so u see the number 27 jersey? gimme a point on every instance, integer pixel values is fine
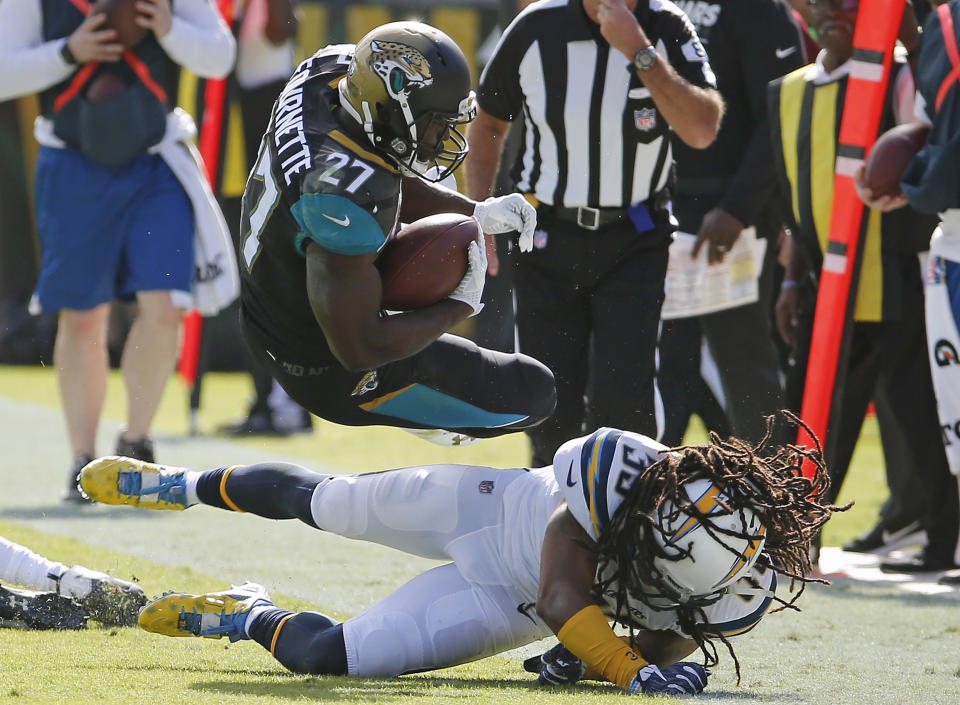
(313, 182)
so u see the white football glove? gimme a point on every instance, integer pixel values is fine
(506, 214)
(107, 599)
(470, 288)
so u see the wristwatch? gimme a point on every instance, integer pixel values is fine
(644, 59)
(67, 55)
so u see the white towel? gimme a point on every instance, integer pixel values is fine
(216, 278)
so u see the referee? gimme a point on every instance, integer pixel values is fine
(598, 87)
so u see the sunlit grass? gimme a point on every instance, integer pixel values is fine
(852, 644)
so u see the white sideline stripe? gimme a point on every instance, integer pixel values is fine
(835, 263)
(847, 166)
(866, 71)
(865, 567)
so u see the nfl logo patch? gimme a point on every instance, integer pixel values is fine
(645, 119)
(486, 487)
(936, 270)
(539, 239)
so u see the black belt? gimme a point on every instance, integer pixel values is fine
(589, 218)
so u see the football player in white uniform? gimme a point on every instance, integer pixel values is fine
(679, 546)
(60, 596)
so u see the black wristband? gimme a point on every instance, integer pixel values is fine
(68, 55)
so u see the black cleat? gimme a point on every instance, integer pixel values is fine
(140, 450)
(923, 562)
(72, 491)
(882, 540)
(39, 610)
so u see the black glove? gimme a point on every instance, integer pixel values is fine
(556, 667)
(682, 678)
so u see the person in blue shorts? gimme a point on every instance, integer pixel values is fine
(113, 219)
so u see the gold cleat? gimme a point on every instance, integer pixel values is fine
(116, 479)
(213, 615)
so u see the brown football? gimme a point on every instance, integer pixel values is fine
(425, 260)
(122, 17)
(890, 155)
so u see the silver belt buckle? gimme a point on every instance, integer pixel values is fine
(594, 212)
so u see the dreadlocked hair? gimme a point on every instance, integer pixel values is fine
(763, 479)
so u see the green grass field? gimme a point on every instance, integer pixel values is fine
(855, 642)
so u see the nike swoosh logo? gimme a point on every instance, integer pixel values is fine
(524, 609)
(345, 222)
(785, 52)
(570, 482)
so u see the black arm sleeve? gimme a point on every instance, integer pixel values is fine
(771, 47)
(684, 48)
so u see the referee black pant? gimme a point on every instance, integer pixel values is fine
(588, 307)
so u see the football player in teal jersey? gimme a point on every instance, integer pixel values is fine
(356, 143)
(680, 546)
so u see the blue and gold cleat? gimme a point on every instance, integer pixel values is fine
(116, 479)
(213, 615)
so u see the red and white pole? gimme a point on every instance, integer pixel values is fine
(878, 23)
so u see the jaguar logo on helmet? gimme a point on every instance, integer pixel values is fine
(401, 67)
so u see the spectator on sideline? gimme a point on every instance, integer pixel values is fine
(899, 522)
(68, 595)
(887, 355)
(720, 191)
(602, 86)
(931, 184)
(114, 220)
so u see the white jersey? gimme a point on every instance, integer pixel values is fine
(594, 474)
(596, 471)
(490, 524)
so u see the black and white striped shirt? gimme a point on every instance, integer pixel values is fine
(592, 134)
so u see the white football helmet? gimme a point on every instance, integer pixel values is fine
(712, 562)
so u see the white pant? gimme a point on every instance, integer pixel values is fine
(458, 612)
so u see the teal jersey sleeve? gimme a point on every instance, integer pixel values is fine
(337, 224)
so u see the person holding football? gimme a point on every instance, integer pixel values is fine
(356, 143)
(119, 196)
(886, 359)
(680, 546)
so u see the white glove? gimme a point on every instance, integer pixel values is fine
(78, 582)
(107, 599)
(470, 288)
(506, 214)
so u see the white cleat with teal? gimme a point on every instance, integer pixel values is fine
(119, 480)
